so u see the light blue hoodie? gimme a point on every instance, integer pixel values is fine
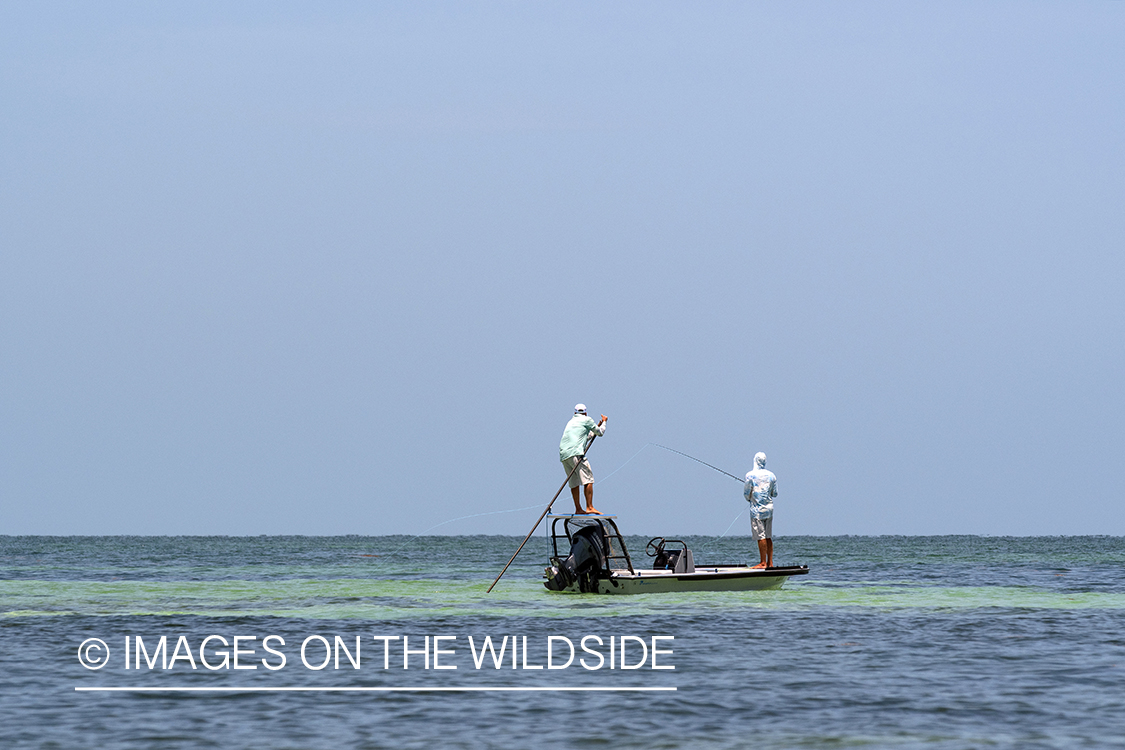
(760, 489)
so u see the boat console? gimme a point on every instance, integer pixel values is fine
(676, 560)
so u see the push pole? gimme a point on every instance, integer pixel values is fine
(544, 513)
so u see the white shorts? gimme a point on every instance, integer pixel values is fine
(762, 528)
(584, 474)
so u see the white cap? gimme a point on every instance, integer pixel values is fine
(580, 408)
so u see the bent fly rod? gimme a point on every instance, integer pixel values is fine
(693, 458)
(545, 512)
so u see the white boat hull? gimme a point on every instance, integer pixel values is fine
(721, 578)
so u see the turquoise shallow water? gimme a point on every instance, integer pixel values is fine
(889, 642)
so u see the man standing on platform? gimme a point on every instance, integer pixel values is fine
(760, 490)
(572, 449)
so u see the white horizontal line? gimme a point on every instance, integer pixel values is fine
(369, 689)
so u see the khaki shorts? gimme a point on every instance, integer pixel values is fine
(762, 528)
(584, 475)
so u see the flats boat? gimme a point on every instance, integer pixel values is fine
(589, 556)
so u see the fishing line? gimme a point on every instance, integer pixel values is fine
(622, 466)
(607, 476)
(459, 518)
(731, 524)
(708, 544)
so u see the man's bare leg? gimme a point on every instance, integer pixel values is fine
(577, 503)
(590, 500)
(769, 553)
(763, 552)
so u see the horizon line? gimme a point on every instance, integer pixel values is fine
(518, 536)
(416, 689)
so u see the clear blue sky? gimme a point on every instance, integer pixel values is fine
(278, 268)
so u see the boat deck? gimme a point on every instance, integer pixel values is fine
(739, 570)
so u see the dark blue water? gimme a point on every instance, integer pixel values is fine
(935, 642)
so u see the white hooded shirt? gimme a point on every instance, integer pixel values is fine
(760, 489)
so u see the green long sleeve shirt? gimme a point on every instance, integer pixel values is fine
(574, 437)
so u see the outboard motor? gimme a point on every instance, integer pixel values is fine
(585, 562)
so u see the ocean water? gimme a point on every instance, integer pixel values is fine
(898, 642)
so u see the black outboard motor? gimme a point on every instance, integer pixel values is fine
(584, 564)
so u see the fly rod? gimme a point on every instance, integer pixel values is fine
(545, 511)
(693, 458)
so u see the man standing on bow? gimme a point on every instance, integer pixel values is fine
(572, 449)
(760, 490)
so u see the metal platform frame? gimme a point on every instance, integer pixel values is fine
(608, 526)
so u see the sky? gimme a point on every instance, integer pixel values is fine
(281, 268)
